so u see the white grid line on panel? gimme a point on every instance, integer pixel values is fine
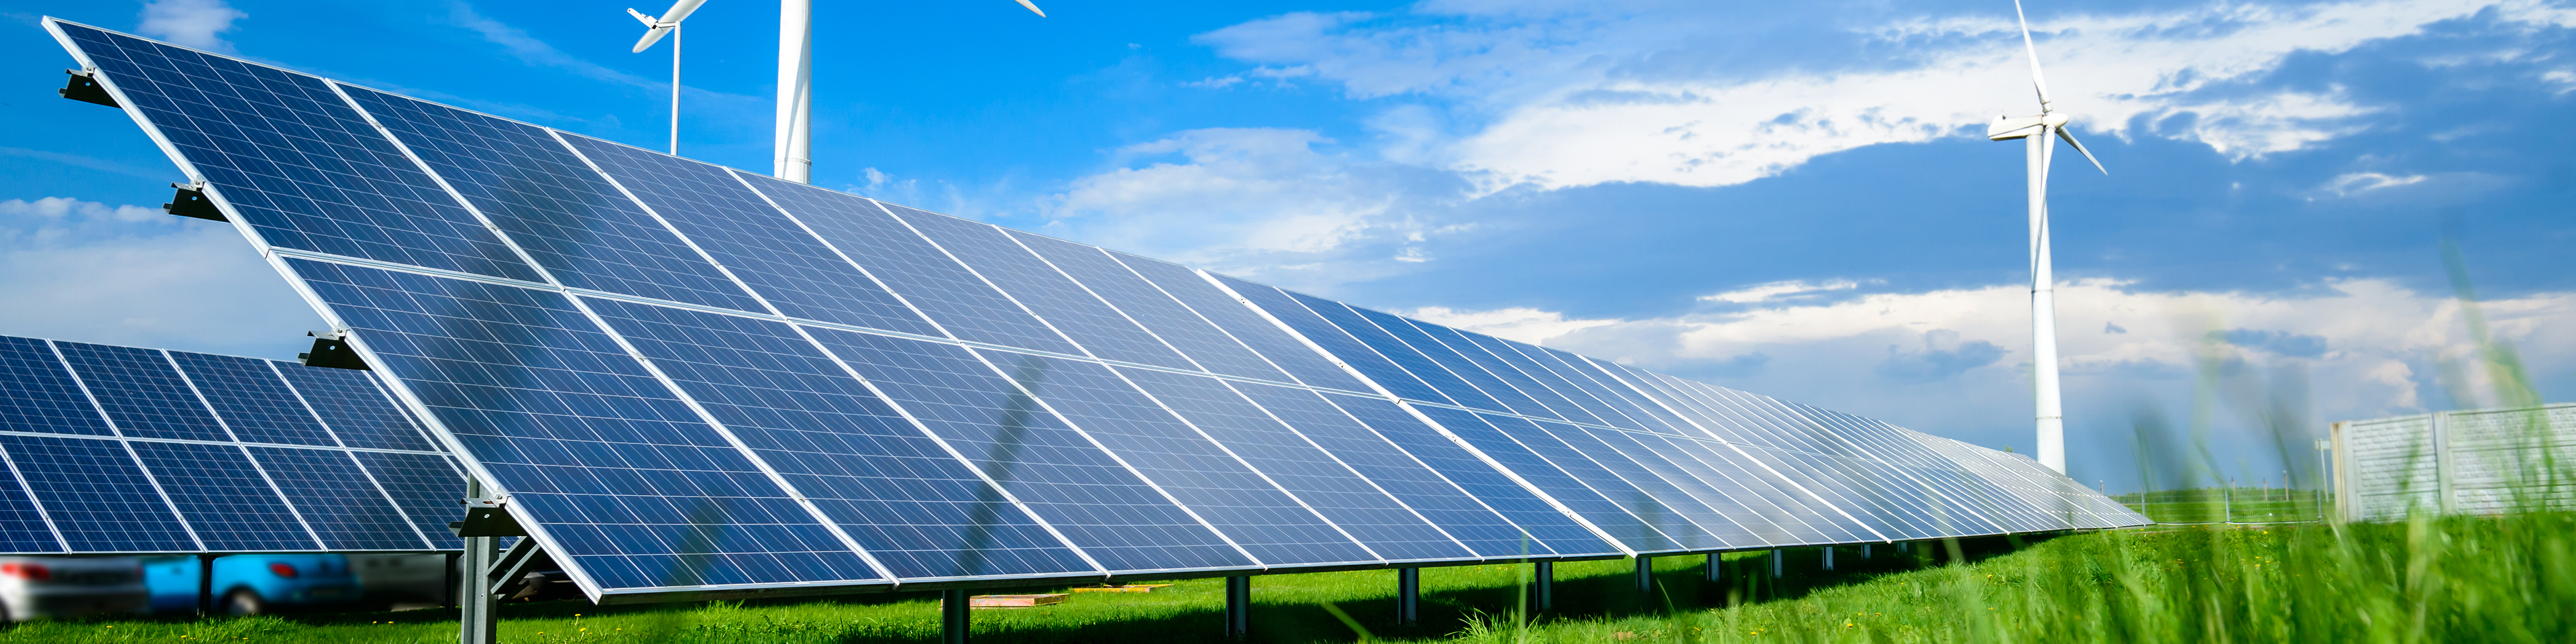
(255, 465)
(1417, 414)
(361, 463)
(137, 459)
(766, 469)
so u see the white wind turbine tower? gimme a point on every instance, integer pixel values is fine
(794, 160)
(2036, 132)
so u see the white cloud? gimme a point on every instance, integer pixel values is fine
(131, 275)
(1517, 323)
(1955, 361)
(191, 23)
(2348, 184)
(62, 207)
(1779, 291)
(1261, 202)
(1579, 96)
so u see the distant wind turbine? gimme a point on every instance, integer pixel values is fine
(2036, 132)
(794, 159)
(653, 29)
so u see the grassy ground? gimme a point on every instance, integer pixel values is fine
(2508, 579)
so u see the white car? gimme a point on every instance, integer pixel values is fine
(32, 587)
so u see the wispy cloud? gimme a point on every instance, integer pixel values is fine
(1581, 96)
(1789, 290)
(538, 53)
(192, 23)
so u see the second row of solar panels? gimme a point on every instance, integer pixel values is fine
(115, 449)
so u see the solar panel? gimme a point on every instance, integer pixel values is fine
(127, 450)
(684, 379)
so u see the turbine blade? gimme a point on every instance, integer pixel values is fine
(651, 36)
(1042, 14)
(2069, 135)
(680, 11)
(640, 17)
(2038, 81)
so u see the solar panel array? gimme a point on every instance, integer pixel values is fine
(690, 378)
(115, 449)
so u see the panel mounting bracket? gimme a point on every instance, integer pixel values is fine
(330, 349)
(191, 202)
(85, 89)
(487, 518)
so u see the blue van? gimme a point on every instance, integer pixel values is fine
(253, 584)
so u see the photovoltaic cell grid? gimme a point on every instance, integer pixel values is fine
(685, 378)
(123, 450)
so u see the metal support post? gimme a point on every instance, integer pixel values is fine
(478, 619)
(1645, 574)
(1716, 570)
(1238, 607)
(1408, 596)
(1542, 586)
(1864, 551)
(954, 608)
(1776, 571)
(1829, 557)
(206, 585)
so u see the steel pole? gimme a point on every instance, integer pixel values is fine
(794, 158)
(2043, 310)
(675, 90)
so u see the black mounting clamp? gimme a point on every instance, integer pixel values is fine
(85, 89)
(331, 350)
(191, 202)
(486, 518)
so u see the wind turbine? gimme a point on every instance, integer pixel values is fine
(2036, 133)
(653, 29)
(794, 158)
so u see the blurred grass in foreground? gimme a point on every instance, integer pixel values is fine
(2488, 579)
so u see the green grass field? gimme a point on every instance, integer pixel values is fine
(2497, 579)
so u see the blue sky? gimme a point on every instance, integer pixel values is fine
(1790, 199)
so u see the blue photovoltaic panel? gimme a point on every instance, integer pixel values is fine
(426, 487)
(1361, 357)
(22, 528)
(1550, 528)
(1400, 354)
(1265, 521)
(1381, 464)
(227, 500)
(911, 267)
(347, 516)
(1286, 458)
(625, 479)
(142, 394)
(1071, 484)
(293, 160)
(907, 501)
(356, 410)
(1045, 291)
(93, 489)
(97, 497)
(581, 229)
(1612, 511)
(723, 380)
(1245, 325)
(1206, 345)
(251, 400)
(1624, 484)
(782, 262)
(1499, 359)
(37, 394)
(1436, 345)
